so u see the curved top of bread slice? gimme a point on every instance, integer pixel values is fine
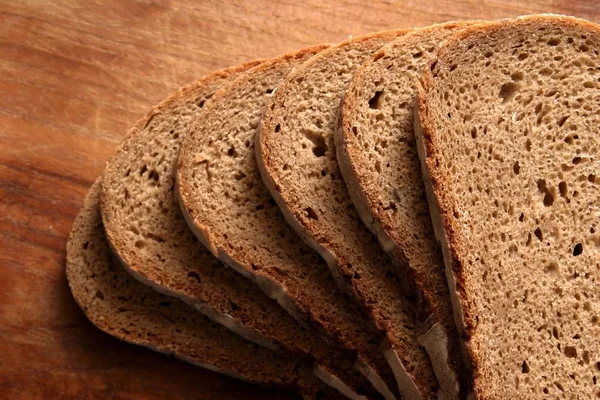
(509, 113)
(378, 159)
(232, 212)
(147, 231)
(131, 311)
(296, 156)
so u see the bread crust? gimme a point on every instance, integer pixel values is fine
(441, 200)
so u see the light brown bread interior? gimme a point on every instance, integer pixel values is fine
(233, 214)
(123, 307)
(147, 231)
(378, 160)
(296, 156)
(508, 138)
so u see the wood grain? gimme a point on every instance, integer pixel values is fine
(74, 75)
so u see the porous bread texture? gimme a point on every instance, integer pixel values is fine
(296, 156)
(128, 310)
(378, 159)
(509, 146)
(233, 214)
(147, 231)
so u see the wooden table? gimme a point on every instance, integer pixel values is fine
(74, 75)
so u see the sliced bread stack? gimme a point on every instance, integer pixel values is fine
(147, 230)
(288, 202)
(122, 307)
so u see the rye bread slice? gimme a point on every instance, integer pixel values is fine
(147, 231)
(233, 214)
(378, 159)
(128, 310)
(509, 115)
(296, 157)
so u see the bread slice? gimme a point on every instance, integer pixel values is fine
(296, 157)
(147, 231)
(233, 214)
(378, 160)
(509, 115)
(129, 310)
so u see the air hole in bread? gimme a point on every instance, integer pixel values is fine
(311, 214)
(562, 188)
(555, 333)
(376, 102)
(488, 54)
(99, 295)
(232, 152)
(539, 234)
(269, 91)
(577, 160)
(562, 121)
(140, 244)
(525, 367)
(552, 268)
(377, 56)
(474, 133)
(516, 169)
(239, 175)
(554, 42)
(578, 249)
(517, 76)
(522, 56)
(548, 191)
(319, 146)
(194, 276)
(143, 170)
(432, 66)
(570, 352)
(153, 175)
(418, 54)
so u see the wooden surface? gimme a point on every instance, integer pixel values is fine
(74, 75)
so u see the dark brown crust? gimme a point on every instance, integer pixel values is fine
(442, 198)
